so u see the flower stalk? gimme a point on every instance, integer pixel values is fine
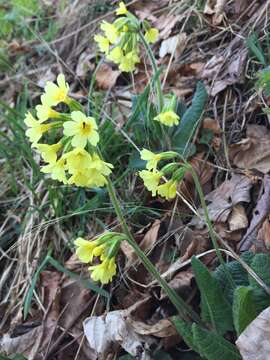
(183, 309)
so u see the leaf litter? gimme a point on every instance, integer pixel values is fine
(237, 197)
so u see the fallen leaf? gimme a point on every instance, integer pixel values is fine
(20, 344)
(113, 328)
(254, 343)
(254, 151)
(264, 233)
(173, 45)
(238, 219)
(165, 24)
(162, 329)
(106, 77)
(260, 213)
(223, 199)
(215, 8)
(150, 237)
(224, 70)
(213, 125)
(181, 283)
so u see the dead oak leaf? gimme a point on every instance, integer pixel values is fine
(106, 77)
(253, 152)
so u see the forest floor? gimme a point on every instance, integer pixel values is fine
(45, 292)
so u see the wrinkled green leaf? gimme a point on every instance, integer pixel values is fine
(213, 346)
(215, 308)
(190, 121)
(244, 309)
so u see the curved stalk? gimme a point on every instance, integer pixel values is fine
(183, 309)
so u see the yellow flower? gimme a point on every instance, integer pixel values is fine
(121, 10)
(85, 249)
(151, 35)
(116, 55)
(128, 61)
(151, 180)
(110, 31)
(48, 152)
(168, 190)
(103, 167)
(168, 118)
(151, 158)
(103, 43)
(54, 94)
(36, 128)
(96, 179)
(45, 112)
(57, 170)
(104, 271)
(82, 129)
(79, 178)
(77, 160)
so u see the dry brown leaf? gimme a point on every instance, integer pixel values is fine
(224, 70)
(260, 213)
(224, 198)
(173, 45)
(254, 343)
(21, 344)
(213, 125)
(254, 151)
(102, 332)
(215, 8)
(165, 24)
(238, 219)
(264, 233)
(150, 237)
(106, 77)
(181, 283)
(162, 329)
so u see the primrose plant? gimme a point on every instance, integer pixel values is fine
(74, 158)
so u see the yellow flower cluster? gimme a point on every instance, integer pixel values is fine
(105, 248)
(79, 162)
(168, 116)
(151, 176)
(120, 40)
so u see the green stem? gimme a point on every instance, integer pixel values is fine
(177, 301)
(209, 223)
(155, 70)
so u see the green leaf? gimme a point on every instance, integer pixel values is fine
(215, 308)
(29, 295)
(255, 48)
(261, 265)
(190, 121)
(264, 80)
(185, 331)
(213, 346)
(238, 274)
(244, 309)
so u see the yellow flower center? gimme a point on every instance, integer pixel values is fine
(60, 95)
(86, 128)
